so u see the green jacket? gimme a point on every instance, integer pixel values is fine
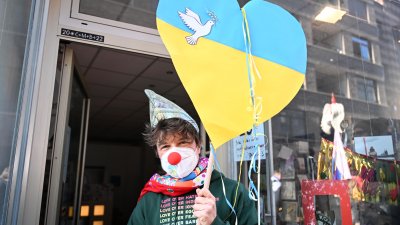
(158, 209)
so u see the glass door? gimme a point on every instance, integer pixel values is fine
(67, 145)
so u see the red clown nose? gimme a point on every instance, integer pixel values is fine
(174, 158)
(333, 99)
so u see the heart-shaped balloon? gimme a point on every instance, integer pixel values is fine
(239, 67)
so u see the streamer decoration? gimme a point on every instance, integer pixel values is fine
(373, 180)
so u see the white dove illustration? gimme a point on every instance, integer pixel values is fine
(193, 22)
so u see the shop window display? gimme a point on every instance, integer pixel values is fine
(323, 214)
(370, 107)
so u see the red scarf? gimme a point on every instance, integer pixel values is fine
(170, 186)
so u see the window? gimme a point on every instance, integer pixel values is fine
(289, 124)
(328, 83)
(142, 12)
(381, 30)
(361, 48)
(332, 2)
(321, 38)
(358, 8)
(365, 89)
(396, 35)
(14, 30)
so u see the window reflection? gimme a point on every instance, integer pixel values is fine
(358, 8)
(365, 89)
(332, 2)
(289, 124)
(361, 48)
(326, 39)
(332, 83)
(358, 61)
(14, 22)
(141, 12)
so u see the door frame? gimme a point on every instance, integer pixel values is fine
(60, 155)
(57, 159)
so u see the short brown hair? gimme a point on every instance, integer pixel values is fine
(171, 126)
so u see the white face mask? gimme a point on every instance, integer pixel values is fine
(179, 162)
(276, 184)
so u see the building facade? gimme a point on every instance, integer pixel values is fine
(72, 108)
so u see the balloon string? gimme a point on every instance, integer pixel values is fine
(255, 166)
(252, 69)
(241, 162)
(259, 183)
(223, 185)
(240, 172)
(251, 58)
(241, 167)
(248, 38)
(254, 193)
(250, 74)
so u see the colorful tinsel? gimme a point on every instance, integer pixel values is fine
(373, 180)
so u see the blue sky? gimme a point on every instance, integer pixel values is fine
(380, 144)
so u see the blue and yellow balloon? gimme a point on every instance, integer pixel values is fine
(240, 67)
